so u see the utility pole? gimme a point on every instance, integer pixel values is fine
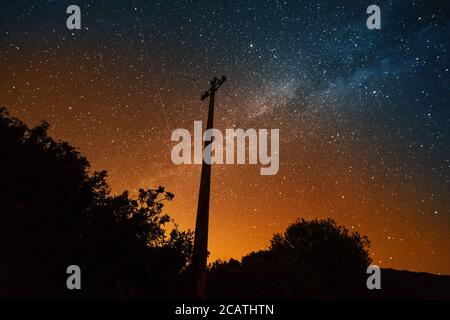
(201, 225)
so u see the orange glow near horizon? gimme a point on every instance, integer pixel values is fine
(117, 122)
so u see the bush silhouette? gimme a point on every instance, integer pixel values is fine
(55, 212)
(311, 259)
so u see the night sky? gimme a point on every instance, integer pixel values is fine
(364, 115)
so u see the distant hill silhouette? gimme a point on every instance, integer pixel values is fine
(397, 284)
(55, 211)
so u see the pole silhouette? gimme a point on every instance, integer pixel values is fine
(200, 253)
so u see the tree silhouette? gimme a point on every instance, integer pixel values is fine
(55, 212)
(311, 259)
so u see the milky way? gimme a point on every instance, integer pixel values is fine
(363, 114)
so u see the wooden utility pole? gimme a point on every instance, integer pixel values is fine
(200, 254)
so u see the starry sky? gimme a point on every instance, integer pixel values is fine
(364, 115)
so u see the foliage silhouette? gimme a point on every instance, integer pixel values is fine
(55, 212)
(311, 259)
